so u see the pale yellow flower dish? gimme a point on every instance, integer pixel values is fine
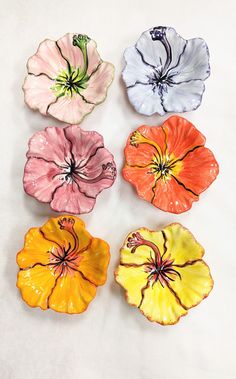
(162, 273)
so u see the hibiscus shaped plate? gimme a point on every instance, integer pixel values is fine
(169, 165)
(166, 73)
(68, 168)
(61, 265)
(163, 273)
(67, 78)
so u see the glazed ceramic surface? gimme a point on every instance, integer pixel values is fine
(61, 265)
(68, 168)
(163, 273)
(67, 78)
(169, 165)
(166, 73)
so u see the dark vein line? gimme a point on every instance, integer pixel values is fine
(143, 293)
(142, 57)
(164, 245)
(41, 74)
(188, 263)
(182, 184)
(188, 152)
(176, 296)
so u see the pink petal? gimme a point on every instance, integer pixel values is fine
(50, 145)
(47, 60)
(98, 174)
(93, 57)
(70, 109)
(99, 83)
(40, 180)
(38, 93)
(68, 198)
(72, 53)
(84, 143)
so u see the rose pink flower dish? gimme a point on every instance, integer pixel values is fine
(67, 78)
(67, 168)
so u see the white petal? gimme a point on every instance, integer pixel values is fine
(194, 62)
(177, 45)
(183, 97)
(145, 100)
(135, 70)
(153, 52)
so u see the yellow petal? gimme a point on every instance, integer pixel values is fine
(142, 253)
(195, 283)
(36, 249)
(160, 305)
(95, 261)
(52, 232)
(36, 285)
(181, 244)
(72, 294)
(133, 280)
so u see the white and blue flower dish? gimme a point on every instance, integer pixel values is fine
(165, 73)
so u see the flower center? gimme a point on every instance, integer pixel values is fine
(73, 79)
(65, 259)
(158, 268)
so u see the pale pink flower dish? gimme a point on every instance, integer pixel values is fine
(67, 78)
(68, 168)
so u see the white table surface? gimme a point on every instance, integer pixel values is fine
(112, 340)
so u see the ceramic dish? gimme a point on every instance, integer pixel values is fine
(169, 165)
(68, 168)
(67, 78)
(61, 265)
(163, 273)
(166, 73)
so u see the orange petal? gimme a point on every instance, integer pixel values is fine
(36, 285)
(182, 136)
(170, 196)
(36, 249)
(72, 294)
(142, 179)
(52, 232)
(199, 170)
(142, 154)
(94, 262)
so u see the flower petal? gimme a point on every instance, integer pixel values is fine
(181, 244)
(152, 52)
(52, 232)
(133, 280)
(181, 136)
(70, 109)
(98, 83)
(143, 154)
(72, 53)
(69, 198)
(160, 305)
(38, 92)
(94, 58)
(50, 145)
(195, 283)
(172, 196)
(145, 100)
(36, 249)
(98, 173)
(135, 71)
(143, 253)
(94, 262)
(142, 179)
(84, 144)
(199, 170)
(41, 178)
(183, 97)
(72, 294)
(47, 60)
(193, 63)
(36, 285)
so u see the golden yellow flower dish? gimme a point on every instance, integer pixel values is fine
(61, 265)
(163, 273)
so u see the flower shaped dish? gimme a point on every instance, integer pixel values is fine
(67, 78)
(169, 165)
(68, 168)
(166, 73)
(61, 265)
(163, 273)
